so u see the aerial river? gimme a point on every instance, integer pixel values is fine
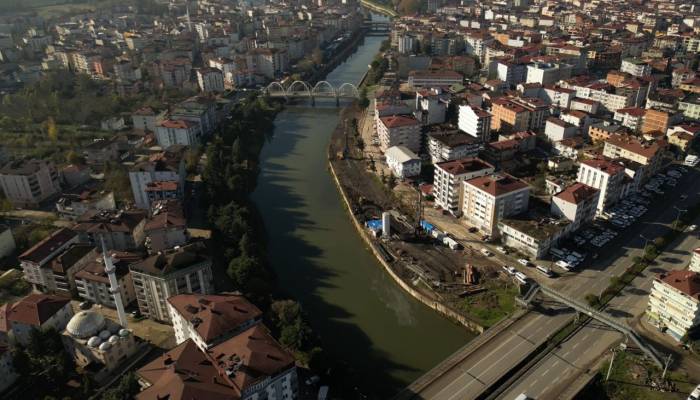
(362, 316)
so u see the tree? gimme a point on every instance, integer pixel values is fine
(364, 100)
(51, 129)
(391, 181)
(73, 157)
(317, 56)
(117, 181)
(409, 7)
(126, 389)
(592, 300)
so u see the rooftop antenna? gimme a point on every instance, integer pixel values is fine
(113, 284)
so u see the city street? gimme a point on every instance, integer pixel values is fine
(478, 371)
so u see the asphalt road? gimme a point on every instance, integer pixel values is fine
(481, 369)
(553, 376)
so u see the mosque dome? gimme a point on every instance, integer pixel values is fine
(85, 324)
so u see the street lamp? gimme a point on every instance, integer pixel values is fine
(679, 214)
(646, 241)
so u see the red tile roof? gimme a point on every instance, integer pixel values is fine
(396, 121)
(604, 165)
(463, 165)
(497, 185)
(577, 193)
(36, 309)
(215, 315)
(684, 281)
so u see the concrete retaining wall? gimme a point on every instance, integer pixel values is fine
(435, 305)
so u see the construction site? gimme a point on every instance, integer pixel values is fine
(434, 263)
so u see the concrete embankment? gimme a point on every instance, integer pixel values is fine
(374, 247)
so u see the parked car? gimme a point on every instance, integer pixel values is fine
(509, 270)
(695, 394)
(524, 262)
(486, 252)
(502, 250)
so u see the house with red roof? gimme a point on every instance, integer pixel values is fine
(36, 311)
(577, 203)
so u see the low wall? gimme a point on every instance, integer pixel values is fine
(435, 305)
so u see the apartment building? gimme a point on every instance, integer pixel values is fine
(399, 130)
(35, 311)
(165, 166)
(93, 284)
(434, 78)
(36, 261)
(532, 237)
(208, 320)
(695, 260)
(475, 122)
(147, 118)
(490, 198)
(577, 203)
(166, 227)
(547, 73)
(156, 278)
(606, 176)
(631, 117)
(674, 302)
(250, 365)
(171, 132)
(446, 146)
(118, 229)
(635, 67)
(555, 129)
(509, 116)
(448, 179)
(655, 121)
(26, 183)
(210, 80)
(646, 153)
(403, 162)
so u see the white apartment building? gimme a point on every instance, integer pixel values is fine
(403, 162)
(210, 80)
(26, 183)
(635, 67)
(448, 179)
(166, 227)
(158, 277)
(555, 129)
(431, 106)
(170, 132)
(695, 261)
(166, 166)
(606, 176)
(547, 73)
(674, 302)
(558, 96)
(577, 203)
(631, 117)
(491, 198)
(208, 320)
(399, 130)
(475, 122)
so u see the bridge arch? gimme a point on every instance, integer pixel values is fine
(298, 86)
(348, 90)
(275, 88)
(324, 88)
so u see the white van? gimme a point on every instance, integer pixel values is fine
(544, 271)
(522, 278)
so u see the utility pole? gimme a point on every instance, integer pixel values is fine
(668, 362)
(612, 359)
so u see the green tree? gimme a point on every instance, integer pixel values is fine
(364, 100)
(126, 389)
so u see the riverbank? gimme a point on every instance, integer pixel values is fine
(351, 179)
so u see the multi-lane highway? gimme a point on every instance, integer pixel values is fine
(479, 370)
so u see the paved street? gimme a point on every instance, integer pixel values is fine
(484, 367)
(554, 374)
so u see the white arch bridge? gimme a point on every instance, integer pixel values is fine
(322, 89)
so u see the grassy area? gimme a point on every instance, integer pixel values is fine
(631, 378)
(13, 287)
(492, 305)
